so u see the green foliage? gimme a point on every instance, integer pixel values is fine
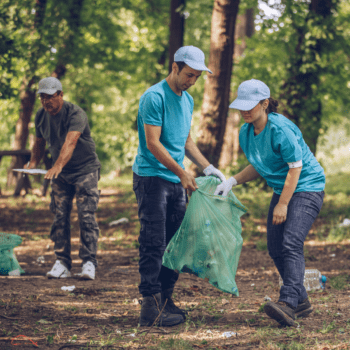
(338, 183)
(340, 282)
(302, 57)
(261, 245)
(112, 51)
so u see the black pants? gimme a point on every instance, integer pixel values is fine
(161, 209)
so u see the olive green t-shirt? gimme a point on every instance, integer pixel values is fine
(54, 130)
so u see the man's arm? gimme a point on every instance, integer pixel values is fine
(65, 154)
(194, 154)
(38, 152)
(152, 133)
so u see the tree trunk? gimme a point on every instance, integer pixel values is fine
(177, 22)
(230, 147)
(229, 152)
(217, 86)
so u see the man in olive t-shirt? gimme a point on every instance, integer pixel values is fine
(64, 127)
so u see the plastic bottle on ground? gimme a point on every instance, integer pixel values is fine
(313, 279)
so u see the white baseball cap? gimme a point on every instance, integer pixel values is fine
(192, 56)
(249, 94)
(49, 86)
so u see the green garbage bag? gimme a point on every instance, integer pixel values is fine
(8, 260)
(208, 243)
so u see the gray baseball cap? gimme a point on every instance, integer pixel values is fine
(49, 86)
(249, 94)
(192, 56)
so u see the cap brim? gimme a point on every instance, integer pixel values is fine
(243, 105)
(198, 66)
(47, 91)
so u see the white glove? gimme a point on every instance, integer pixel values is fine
(226, 186)
(211, 170)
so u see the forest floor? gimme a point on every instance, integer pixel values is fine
(103, 314)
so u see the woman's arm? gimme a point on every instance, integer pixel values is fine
(280, 211)
(246, 175)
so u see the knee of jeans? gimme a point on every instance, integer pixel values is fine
(152, 233)
(292, 246)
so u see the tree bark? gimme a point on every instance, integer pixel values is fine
(217, 86)
(230, 148)
(177, 22)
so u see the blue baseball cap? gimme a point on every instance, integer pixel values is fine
(192, 56)
(249, 94)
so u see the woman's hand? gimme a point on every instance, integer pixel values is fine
(279, 214)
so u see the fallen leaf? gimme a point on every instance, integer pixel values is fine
(125, 313)
(44, 322)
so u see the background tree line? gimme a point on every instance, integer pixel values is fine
(107, 53)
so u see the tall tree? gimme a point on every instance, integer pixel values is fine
(217, 86)
(177, 21)
(230, 147)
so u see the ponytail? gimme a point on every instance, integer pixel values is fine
(273, 105)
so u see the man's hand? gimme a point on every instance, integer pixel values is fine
(211, 170)
(30, 165)
(188, 182)
(225, 187)
(279, 214)
(53, 172)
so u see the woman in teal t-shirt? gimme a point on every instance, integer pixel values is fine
(277, 151)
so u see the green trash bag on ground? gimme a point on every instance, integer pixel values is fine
(8, 260)
(208, 243)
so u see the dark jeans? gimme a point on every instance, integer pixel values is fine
(285, 242)
(84, 187)
(161, 209)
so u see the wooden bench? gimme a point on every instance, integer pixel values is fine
(23, 181)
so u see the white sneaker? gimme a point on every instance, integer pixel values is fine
(88, 271)
(59, 270)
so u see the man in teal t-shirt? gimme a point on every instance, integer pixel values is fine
(160, 180)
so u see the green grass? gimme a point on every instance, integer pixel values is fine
(340, 282)
(123, 182)
(173, 344)
(338, 183)
(261, 245)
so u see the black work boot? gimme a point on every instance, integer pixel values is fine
(281, 311)
(150, 309)
(170, 306)
(303, 309)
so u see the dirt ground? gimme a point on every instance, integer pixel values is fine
(104, 313)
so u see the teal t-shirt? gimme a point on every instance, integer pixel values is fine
(281, 142)
(160, 106)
